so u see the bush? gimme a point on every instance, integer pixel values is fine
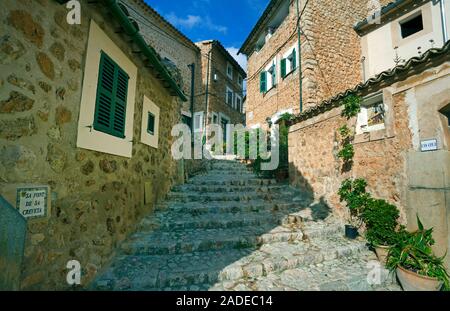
(381, 219)
(352, 106)
(353, 192)
(413, 252)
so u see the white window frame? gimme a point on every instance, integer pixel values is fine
(236, 96)
(87, 136)
(198, 128)
(286, 55)
(362, 119)
(214, 114)
(269, 80)
(230, 75)
(229, 89)
(240, 81)
(147, 138)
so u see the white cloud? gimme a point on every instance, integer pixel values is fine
(192, 21)
(189, 22)
(241, 59)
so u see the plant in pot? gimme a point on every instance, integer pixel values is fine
(353, 192)
(381, 220)
(412, 258)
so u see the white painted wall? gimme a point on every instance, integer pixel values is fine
(378, 45)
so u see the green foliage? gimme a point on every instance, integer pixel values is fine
(347, 152)
(352, 106)
(413, 252)
(287, 117)
(381, 219)
(353, 192)
(344, 131)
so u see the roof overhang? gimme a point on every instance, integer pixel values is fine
(149, 55)
(259, 26)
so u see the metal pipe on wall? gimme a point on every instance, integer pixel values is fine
(444, 21)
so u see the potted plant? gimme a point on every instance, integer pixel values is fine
(412, 258)
(381, 220)
(353, 192)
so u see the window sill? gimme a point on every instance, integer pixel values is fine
(269, 90)
(371, 136)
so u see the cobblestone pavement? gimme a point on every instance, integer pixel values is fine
(230, 230)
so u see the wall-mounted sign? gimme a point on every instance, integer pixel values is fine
(429, 145)
(33, 202)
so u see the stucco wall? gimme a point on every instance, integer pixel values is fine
(96, 198)
(378, 45)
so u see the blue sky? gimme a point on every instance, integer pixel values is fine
(229, 21)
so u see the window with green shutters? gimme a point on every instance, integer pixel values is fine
(288, 64)
(111, 101)
(263, 82)
(151, 124)
(283, 67)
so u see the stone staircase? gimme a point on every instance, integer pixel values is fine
(230, 230)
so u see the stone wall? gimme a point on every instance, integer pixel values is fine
(169, 43)
(331, 57)
(390, 159)
(97, 198)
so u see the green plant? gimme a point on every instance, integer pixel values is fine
(353, 192)
(347, 152)
(344, 131)
(413, 252)
(286, 117)
(352, 106)
(381, 219)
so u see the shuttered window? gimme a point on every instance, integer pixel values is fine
(111, 102)
(263, 82)
(151, 124)
(283, 67)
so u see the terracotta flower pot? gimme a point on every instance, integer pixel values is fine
(412, 281)
(382, 253)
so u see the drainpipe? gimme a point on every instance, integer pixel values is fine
(444, 22)
(208, 70)
(192, 67)
(300, 83)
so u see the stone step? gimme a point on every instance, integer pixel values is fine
(341, 274)
(198, 208)
(166, 242)
(228, 189)
(172, 221)
(148, 272)
(193, 196)
(215, 181)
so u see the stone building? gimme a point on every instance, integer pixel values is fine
(402, 133)
(330, 57)
(223, 86)
(86, 112)
(177, 52)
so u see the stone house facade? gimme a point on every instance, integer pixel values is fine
(401, 134)
(102, 153)
(176, 50)
(330, 57)
(223, 86)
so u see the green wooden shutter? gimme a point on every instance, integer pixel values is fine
(263, 82)
(283, 67)
(111, 101)
(274, 74)
(294, 60)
